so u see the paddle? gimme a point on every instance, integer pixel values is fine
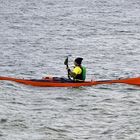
(67, 66)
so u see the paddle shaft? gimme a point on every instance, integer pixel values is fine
(67, 66)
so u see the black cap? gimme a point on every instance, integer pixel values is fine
(78, 60)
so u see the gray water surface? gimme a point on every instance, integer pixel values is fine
(35, 38)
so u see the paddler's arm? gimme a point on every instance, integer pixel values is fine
(71, 74)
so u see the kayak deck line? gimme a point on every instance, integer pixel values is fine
(56, 83)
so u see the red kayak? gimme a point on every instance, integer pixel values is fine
(60, 82)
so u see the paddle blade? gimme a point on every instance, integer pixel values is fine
(66, 61)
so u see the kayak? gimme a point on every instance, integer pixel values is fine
(52, 82)
(62, 82)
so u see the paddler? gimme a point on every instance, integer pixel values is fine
(79, 71)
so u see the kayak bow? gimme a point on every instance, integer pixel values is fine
(59, 83)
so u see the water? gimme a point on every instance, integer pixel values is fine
(35, 38)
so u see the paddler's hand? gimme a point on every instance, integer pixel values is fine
(69, 70)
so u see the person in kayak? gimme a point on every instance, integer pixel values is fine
(79, 71)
